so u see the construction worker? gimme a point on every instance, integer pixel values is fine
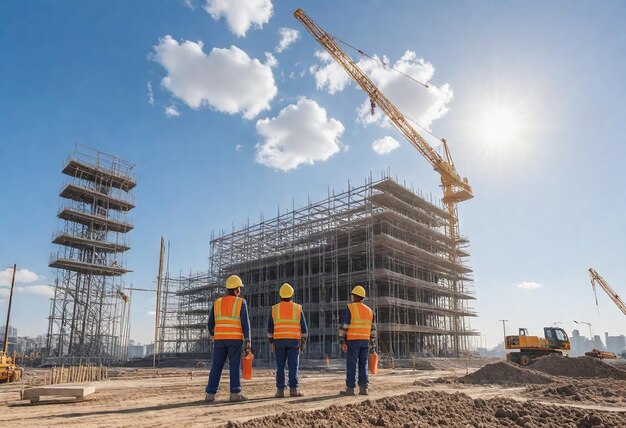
(229, 328)
(287, 332)
(357, 335)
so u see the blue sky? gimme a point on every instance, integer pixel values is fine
(550, 195)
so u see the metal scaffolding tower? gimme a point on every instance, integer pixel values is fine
(89, 313)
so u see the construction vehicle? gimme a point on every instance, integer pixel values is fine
(9, 372)
(597, 279)
(527, 348)
(602, 355)
(455, 188)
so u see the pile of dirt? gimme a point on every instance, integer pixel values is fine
(505, 373)
(585, 367)
(606, 391)
(437, 409)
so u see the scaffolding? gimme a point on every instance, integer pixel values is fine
(381, 235)
(90, 310)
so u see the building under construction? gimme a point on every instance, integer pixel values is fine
(89, 312)
(380, 235)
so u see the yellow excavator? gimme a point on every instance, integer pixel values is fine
(527, 348)
(9, 372)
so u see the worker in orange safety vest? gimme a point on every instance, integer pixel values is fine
(357, 336)
(287, 332)
(229, 328)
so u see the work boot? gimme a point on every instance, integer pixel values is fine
(209, 398)
(295, 392)
(237, 396)
(347, 391)
(363, 390)
(280, 393)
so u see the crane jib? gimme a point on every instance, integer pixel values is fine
(458, 188)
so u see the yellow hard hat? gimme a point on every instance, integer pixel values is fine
(359, 291)
(233, 282)
(286, 291)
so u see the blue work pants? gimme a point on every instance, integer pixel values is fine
(358, 351)
(223, 349)
(287, 351)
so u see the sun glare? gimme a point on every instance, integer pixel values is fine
(499, 126)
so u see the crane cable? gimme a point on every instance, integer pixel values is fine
(426, 85)
(384, 64)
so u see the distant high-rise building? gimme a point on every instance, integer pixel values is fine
(149, 349)
(616, 344)
(12, 338)
(597, 343)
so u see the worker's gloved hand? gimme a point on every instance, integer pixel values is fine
(211, 338)
(273, 347)
(246, 347)
(344, 347)
(302, 346)
(373, 345)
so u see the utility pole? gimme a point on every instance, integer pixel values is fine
(5, 347)
(504, 327)
(158, 301)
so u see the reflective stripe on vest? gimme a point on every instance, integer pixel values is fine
(286, 317)
(361, 319)
(227, 312)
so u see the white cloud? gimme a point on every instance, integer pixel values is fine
(329, 75)
(529, 285)
(270, 60)
(150, 93)
(238, 148)
(5, 292)
(21, 276)
(240, 15)
(301, 133)
(40, 290)
(151, 313)
(170, 111)
(385, 145)
(227, 80)
(190, 4)
(288, 36)
(424, 105)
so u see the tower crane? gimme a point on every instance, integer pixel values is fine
(455, 188)
(597, 279)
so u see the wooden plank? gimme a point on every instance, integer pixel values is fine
(76, 391)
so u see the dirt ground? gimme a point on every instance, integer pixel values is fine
(172, 397)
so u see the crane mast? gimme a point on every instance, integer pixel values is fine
(597, 279)
(455, 188)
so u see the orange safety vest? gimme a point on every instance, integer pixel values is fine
(286, 316)
(361, 319)
(227, 312)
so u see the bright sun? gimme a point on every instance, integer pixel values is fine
(499, 126)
